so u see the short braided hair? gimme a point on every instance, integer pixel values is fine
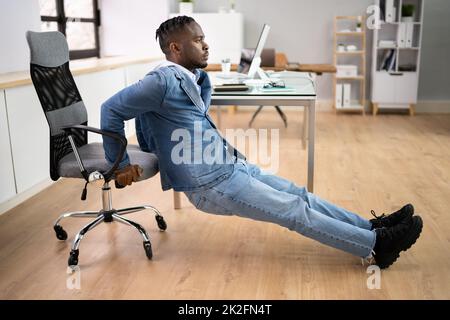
(168, 28)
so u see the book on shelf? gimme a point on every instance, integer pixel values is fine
(388, 62)
(387, 11)
(409, 34)
(346, 94)
(338, 101)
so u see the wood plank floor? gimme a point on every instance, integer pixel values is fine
(362, 163)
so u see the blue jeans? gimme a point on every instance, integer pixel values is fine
(251, 193)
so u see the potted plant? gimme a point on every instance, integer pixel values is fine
(408, 12)
(186, 7)
(232, 6)
(358, 27)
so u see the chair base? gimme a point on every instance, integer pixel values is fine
(107, 214)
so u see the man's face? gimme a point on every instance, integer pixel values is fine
(193, 48)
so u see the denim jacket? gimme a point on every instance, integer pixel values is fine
(171, 121)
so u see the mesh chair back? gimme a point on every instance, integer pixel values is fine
(57, 92)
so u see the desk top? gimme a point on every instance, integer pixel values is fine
(313, 68)
(298, 84)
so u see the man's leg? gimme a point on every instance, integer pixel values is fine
(312, 200)
(245, 196)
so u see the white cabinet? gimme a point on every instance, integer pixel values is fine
(7, 185)
(29, 136)
(24, 132)
(406, 87)
(224, 33)
(383, 87)
(96, 88)
(396, 55)
(395, 88)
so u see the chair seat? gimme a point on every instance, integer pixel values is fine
(93, 157)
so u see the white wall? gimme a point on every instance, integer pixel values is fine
(435, 59)
(16, 17)
(128, 27)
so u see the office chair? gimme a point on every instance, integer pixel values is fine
(71, 155)
(268, 60)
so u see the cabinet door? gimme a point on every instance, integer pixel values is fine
(96, 88)
(29, 135)
(406, 88)
(383, 90)
(134, 73)
(7, 185)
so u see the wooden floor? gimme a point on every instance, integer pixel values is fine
(362, 163)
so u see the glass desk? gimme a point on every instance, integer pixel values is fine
(302, 93)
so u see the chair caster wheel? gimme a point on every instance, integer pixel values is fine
(148, 249)
(73, 258)
(61, 234)
(162, 225)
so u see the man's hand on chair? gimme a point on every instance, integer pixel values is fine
(127, 175)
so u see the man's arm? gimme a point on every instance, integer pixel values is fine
(143, 96)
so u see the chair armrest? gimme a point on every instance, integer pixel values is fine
(122, 140)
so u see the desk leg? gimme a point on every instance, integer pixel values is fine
(311, 138)
(305, 127)
(219, 117)
(176, 200)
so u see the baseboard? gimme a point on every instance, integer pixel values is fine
(21, 197)
(433, 106)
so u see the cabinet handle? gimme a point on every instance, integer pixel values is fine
(396, 73)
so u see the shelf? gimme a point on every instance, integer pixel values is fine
(354, 33)
(344, 34)
(398, 48)
(350, 78)
(350, 52)
(396, 23)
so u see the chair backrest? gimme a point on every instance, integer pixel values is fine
(268, 57)
(57, 92)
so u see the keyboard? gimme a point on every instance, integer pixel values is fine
(230, 87)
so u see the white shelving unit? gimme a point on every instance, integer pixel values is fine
(346, 33)
(396, 56)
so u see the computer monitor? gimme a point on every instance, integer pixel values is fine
(251, 59)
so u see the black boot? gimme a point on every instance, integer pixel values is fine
(391, 241)
(394, 218)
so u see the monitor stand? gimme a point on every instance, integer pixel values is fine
(255, 70)
(262, 74)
